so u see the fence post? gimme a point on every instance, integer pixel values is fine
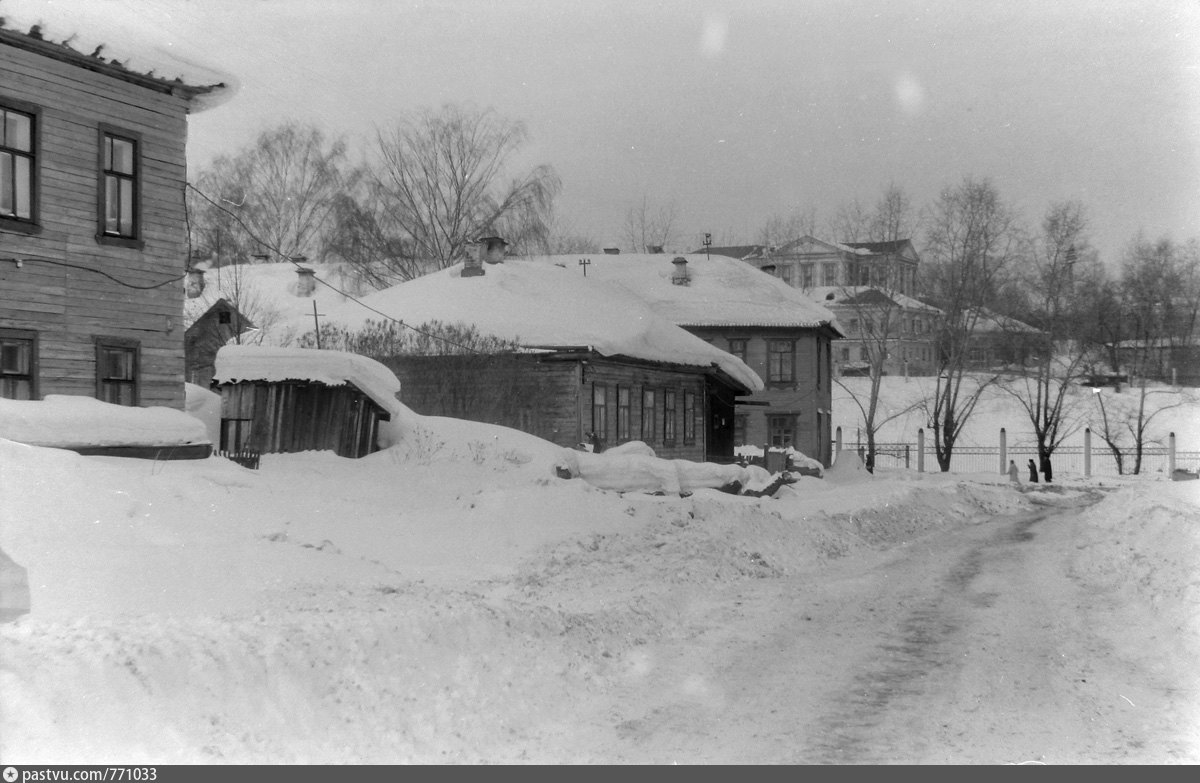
(1003, 450)
(1087, 452)
(839, 438)
(907, 463)
(920, 449)
(1171, 456)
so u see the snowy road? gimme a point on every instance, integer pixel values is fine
(976, 646)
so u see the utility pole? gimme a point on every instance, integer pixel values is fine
(317, 324)
(583, 262)
(707, 245)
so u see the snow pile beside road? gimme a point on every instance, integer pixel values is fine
(1148, 545)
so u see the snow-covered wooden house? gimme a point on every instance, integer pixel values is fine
(92, 230)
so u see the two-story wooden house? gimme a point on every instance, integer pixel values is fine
(778, 331)
(92, 222)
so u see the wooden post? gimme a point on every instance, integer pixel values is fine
(1003, 451)
(839, 438)
(1087, 452)
(1171, 456)
(921, 450)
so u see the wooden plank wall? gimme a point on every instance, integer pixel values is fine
(69, 307)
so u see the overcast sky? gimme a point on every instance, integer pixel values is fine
(734, 110)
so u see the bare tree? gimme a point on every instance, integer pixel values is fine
(879, 325)
(277, 196)
(891, 218)
(779, 229)
(439, 180)
(1058, 355)
(650, 225)
(972, 238)
(1125, 422)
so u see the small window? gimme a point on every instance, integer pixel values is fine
(18, 166)
(18, 363)
(737, 347)
(224, 317)
(845, 354)
(648, 415)
(781, 361)
(119, 180)
(623, 411)
(689, 417)
(781, 430)
(600, 410)
(116, 372)
(669, 417)
(806, 275)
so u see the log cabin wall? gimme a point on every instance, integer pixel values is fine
(73, 287)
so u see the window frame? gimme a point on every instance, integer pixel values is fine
(738, 347)
(134, 239)
(22, 336)
(785, 424)
(31, 224)
(649, 417)
(133, 383)
(670, 415)
(600, 410)
(624, 413)
(776, 376)
(689, 417)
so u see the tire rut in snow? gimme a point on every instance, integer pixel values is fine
(860, 729)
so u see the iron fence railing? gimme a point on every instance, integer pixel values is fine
(1066, 460)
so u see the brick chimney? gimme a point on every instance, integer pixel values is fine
(680, 275)
(473, 263)
(195, 283)
(307, 282)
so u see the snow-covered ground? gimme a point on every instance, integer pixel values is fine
(448, 599)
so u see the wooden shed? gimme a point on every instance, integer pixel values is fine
(280, 400)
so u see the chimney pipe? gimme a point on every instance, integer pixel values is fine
(307, 282)
(680, 276)
(195, 283)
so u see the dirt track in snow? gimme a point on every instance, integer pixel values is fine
(974, 645)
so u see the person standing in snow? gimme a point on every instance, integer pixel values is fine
(1014, 475)
(1046, 469)
(1033, 479)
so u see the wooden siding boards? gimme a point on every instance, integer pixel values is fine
(550, 396)
(293, 416)
(69, 307)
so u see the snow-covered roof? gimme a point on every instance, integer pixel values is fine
(721, 291)
(123, 37)
(70, 421)
(842, 294)
(237, 363)
(266, 292)
(540, 304)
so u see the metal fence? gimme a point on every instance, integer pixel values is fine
(1066, 460)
